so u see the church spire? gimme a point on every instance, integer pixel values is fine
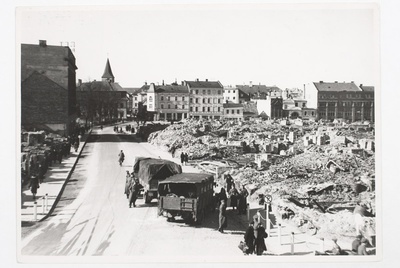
(108, 75)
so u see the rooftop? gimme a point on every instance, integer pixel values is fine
(204, 84)
(335, 86)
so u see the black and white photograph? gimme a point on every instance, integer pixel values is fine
(198, 132)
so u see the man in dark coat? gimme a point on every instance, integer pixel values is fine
(34, 185)
(223, 221)
(233, 195)
(229, 182)
(249, 238)
(242, 200)
(182, 158)
(134, 190)
(260, 246)
(127, 183)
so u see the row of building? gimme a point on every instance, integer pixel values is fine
(51, 99)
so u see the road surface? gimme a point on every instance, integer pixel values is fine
(99, 221)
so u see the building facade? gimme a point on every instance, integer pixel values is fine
(57, 64)
(270, 107)
(206, 99)
(233, 111)
(231, 95)
(345, 101)
(168, 102)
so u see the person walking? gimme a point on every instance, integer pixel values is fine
(186, 159)
(223, 221)
(242, 200)
(229, 182)
(249, 238)
(121, 157)
(34, 185)
(260, 235)
(134, 191)
(233, 195)
(127, 183)
(182, 158)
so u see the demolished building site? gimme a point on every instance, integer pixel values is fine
(318, 173)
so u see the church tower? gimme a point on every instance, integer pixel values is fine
(108, 75)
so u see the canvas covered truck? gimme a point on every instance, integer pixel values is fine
(186, 195)
(150, 171)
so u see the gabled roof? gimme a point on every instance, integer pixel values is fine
(204, 84)
(368, 88)
(107, 71)
(171, 89)
(326, 86)
(99, 86)
(257, 89)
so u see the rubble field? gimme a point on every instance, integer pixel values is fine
(318, 173)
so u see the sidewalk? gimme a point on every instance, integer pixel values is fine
(52, 187)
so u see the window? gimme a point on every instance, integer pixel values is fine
(183, 106)
(183, 98)
(197, 109)
(296, 104)
(204, 91)
(305, 113)
(197, 100)
(169, 106)
(162, 98)
(229, 91)
(150, 98)
(176, 106)
(304, 104)
(176, 98)
(191, 109)
(208, 109)
(227, 98)
(238, 111)
(209, 100)
(150, 106)
(312, 113)
(135, 98)
(121, 105)
(219, 109)
(168, 98)
(204, 109)
(227, 111)
(136, 104)
(197, 91)
(191, 100)
(234, 97)
(208, 92)
(219, 100)
(204, 100)
(162, 106)
(219, 92)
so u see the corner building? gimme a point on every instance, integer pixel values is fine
(206, 99)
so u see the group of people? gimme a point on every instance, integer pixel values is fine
(358, 247)
(132, 188)
(254, 238)
(184, 158)
(238, 198)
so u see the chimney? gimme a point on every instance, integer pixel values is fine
(321, 82)
(182, 83)
(197, 80)
(42, 43)
(361, 85)
(79, 82)
(352, 82)
(206, 79)
(335, 81)
(304, 86)
(251, 83)
(163, 82)
(145, 83)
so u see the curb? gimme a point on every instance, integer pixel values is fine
(66, 181)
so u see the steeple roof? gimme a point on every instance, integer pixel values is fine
(107, 71)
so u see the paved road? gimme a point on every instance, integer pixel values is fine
(100, 222)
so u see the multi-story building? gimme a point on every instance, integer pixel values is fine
(231, 95)
(233, 111)
(206, 99)
(48, 71)
(343, 101)
(259, 91)
(168, 102)
(297, 108)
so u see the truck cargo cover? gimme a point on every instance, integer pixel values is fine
(148, 169)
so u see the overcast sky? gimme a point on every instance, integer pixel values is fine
(287, 46)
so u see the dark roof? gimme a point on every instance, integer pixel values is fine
(188, 178)
(368, 88)
(233, 105)
(204, 84)
(171, 89)
(257, 88)
(133, 90)
(107, 71)
(99, 86)
(324, 86)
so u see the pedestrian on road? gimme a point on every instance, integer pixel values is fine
(233, 195)
(186, 158)
(127, 183)
(182, 158)
(229, 182)
(242, 200)
(34, 185)
(362, 249)
(223, 221)
(260, 235)
(121, 157)
(134, 191)
(356, 243)
(249, 238)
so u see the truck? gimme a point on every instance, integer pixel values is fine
(150, 171)
(186, 195)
